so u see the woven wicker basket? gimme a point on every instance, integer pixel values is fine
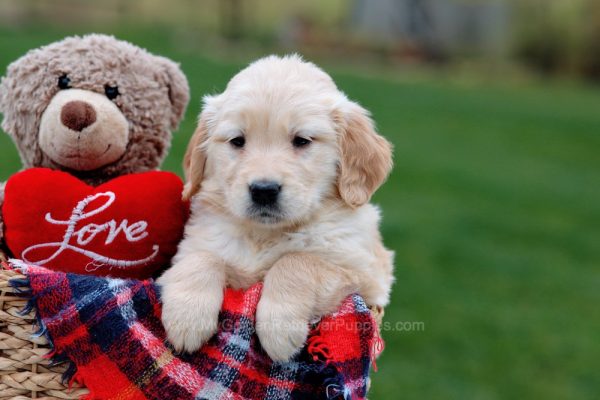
(24, 372)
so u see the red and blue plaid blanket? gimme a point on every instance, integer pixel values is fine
(110, 332)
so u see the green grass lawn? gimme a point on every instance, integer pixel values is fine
(493, 210)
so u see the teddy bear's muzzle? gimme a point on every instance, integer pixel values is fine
(83, 130)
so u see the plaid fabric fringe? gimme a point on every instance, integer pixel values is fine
(110, 332)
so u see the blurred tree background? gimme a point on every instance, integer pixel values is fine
(547, 36)
(493, 207)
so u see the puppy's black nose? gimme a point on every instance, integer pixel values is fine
(264, 193)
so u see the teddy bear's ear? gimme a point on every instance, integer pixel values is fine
(3, 90)
(179, 90)
(4, 105)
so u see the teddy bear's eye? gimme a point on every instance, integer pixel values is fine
(111, 91)
(64, 82)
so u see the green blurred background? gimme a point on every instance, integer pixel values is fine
(493, 207)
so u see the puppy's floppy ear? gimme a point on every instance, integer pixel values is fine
(179, 90)
(194, 161)
(366, 157)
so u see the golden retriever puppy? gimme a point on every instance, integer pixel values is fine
(279, 172)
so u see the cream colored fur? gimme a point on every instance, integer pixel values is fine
(321, 244)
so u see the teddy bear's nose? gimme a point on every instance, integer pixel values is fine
(77, 115)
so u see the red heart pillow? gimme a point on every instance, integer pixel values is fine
(128, 227)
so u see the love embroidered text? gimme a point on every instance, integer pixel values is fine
(76, 237)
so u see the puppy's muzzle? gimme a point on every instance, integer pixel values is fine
(264, 193)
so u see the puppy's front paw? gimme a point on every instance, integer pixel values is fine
(190, 323)
(281, 335)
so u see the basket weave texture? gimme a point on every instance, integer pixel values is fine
(24, 371)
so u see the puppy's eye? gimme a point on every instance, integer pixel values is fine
(300, 141)
(111, 92)
(238, 142)
(64, 82)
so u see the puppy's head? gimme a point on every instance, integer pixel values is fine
(279, 141)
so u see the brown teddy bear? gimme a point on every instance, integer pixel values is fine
(97, 109)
